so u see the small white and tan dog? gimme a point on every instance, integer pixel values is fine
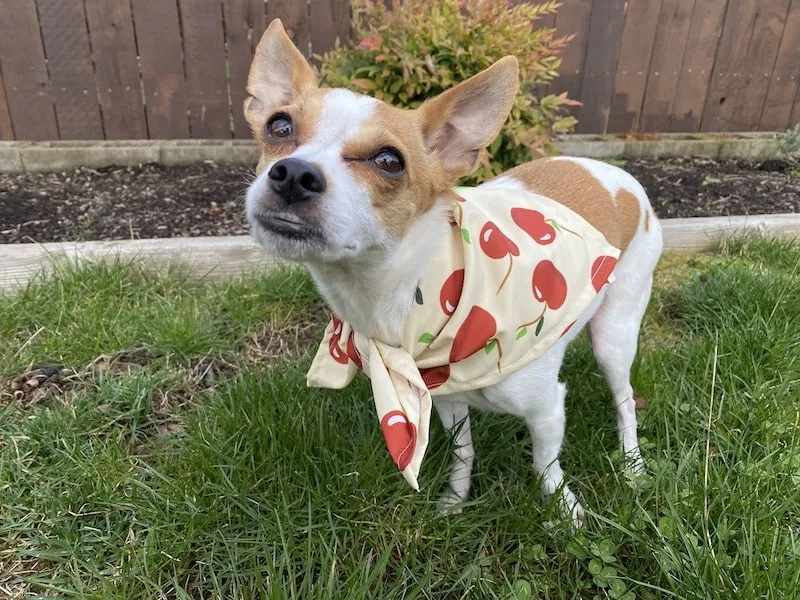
(353, 188)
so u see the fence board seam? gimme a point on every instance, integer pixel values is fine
(183, 65)
(649, 70)
(139, 69)
(775, 62)
(713, 64)
(681, 67)
(6, 122)
(226, 50)
(94, 69)
(46, 67)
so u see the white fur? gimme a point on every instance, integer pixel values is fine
(369, 279)
(346, 215)
(365, 290)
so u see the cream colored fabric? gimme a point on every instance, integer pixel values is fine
(517, 271)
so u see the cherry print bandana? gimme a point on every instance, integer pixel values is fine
(516, 273)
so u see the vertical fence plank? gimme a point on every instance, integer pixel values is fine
(634, 64)
(66, 44)
(665, 67)
(600, 69)
(6, 127)
(206, 82)
(330, 19)
(25, 73)
(572, 19)
(158, 37)
(747, 52)
(244, 26)
(785, 81)
(294, 15)
(116, 70)
(705, 31)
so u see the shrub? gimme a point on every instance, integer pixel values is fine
(789, 141)
(419, 48)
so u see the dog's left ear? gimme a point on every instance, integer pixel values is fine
(464, 120)
(278, 74)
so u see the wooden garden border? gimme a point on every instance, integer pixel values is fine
(217, 258)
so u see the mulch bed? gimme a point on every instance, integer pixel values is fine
(151, 201)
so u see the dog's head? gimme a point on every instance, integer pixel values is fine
(340, 172)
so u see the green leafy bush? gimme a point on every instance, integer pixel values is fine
(419, 48)
(789, 141)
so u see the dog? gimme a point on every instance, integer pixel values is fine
(357, 191)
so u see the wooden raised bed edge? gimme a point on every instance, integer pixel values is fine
(65, 155)
(216, 258)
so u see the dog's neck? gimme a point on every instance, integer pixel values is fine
(375, 291)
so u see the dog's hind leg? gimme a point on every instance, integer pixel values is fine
(455, 418)
(614, 333)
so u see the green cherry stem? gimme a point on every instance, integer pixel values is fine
(560, 226)
(536, 320)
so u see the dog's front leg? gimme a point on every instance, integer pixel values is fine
(455, 418)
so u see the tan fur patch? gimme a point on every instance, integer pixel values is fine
(576, 188)
(305, 113)
(436, 152)
(397, 200)
(647, 220)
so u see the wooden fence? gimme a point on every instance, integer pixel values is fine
(130, 69)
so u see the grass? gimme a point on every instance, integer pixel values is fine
(145, 478)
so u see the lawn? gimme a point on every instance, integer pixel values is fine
(179, 454)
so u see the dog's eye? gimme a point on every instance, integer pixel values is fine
(280, 126)
(389, 161)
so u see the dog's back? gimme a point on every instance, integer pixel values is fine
(617, 205)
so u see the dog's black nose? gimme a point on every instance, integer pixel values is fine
(296, 180)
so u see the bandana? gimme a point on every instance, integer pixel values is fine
(516, 272)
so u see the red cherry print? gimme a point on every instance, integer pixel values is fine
(435, 376)
(451, 291)
(602, 268)
(337, 325)
(401, 437)
(549, 285)
(353, 352)
(336, 352)
(495, 244)
(534, 224)
(333, 344)
(476, 330)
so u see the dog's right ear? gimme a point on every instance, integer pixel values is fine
(278, 74)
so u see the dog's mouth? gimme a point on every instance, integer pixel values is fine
(289, 227)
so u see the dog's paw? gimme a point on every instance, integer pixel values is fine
(449, 504)
(634, 464)
(571, 508)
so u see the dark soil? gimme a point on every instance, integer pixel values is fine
(702, 187)
(115, 203)
(206, 199)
